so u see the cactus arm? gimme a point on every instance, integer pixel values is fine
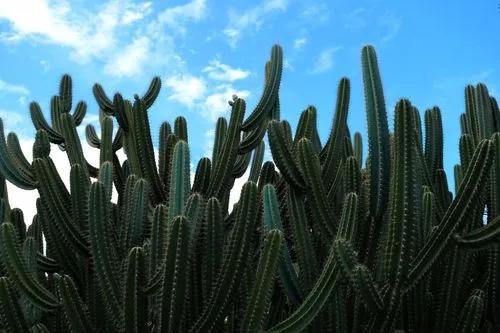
(253, 138)
(79, 187)
(134, 300)
(46, 264)
(470, 317)
(158, 237)
(180, 128)
(315, 300)
(202, 176)
(103, 101)
(145, 151)
(106, 146)
(213, 242)
(40, 123)
(18, 271)
(456, 214)
(333, 148)
(271, 89)
(91, 135)
(9, 169)
(272, 220)
(358, 148)
(281, 149)
(228, 153)
(72, 140)
(136, 216)
(220, 133)
(241, 165)
(75, 309)
(152, 93)
(480, 237)
(179, 181)
(16, 153)
(11, 311)
(80, 112)
(400, 247)
(176, 274)
(378, 133)
(231, 272)
(260, 293)
(104, 256)
(257, 159)
(311, 169)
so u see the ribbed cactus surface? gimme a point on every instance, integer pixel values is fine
(321, 239)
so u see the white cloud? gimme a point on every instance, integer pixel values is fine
(10, 119)
(136, 12)
(392, 24)
(186, 89)
(45, 65)
(299, 43)
(177, 17)
(254, 17)
(13, 88)
(129, 61)
(222, 72)
(216, 103)
(324, 62)
(109, 33)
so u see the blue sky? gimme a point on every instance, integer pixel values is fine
(205, 51)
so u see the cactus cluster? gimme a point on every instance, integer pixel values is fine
(317, 242)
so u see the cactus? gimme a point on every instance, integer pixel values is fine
(321, 239)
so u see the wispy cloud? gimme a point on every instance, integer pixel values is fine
(457, 82)
(299, 43)
(316, 12)
(186, 89)
(13, 88)
(11, 119)
(324, 61)
(45, 65)
(222, 72)
(392, 24)
(240, 22)
(114, 32)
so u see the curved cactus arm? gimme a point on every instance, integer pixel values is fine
(305, 126)
(134, 301)
(145, 150)
(40, 123)
(136, 208)
(46, 264)
(257, 159)
(272, 220)
(225, 160)
(484, 111)
(470, 317)
(74, 307)
(103, 101)
(9, 168)
(482, 237)
(213, 242)
(333, 149)
(315, 300)
(80, 112)
(17, 155)
(258, 301)
(456, 215)
(72, 140)
(253, 138)
(17, 269)
(281, 149)
(119, 112)
(241, 165)
(92, 138)
(11, 311)
(311, 169)
(271, 89)
(179, 181)
(79, 187)
(152, 93)
(57, 202)
(378, 133)
(231, 272)
(400, 246)
(175, 295)
(104, 255)
(202, 176)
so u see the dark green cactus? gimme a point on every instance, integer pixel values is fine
(320, 240)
